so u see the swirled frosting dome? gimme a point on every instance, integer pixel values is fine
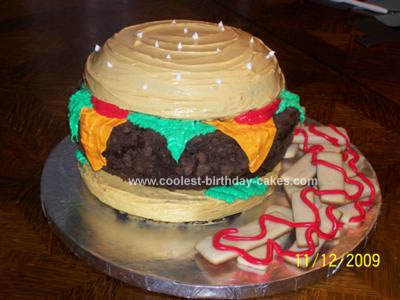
(184, 70)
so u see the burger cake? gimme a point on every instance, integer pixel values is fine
(182, 121)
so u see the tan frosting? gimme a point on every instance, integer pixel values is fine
(132, 73)
(161, 204)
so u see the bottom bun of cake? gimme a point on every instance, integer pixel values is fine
(165, 205)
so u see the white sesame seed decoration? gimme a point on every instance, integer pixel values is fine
(185, 30)
(221, 26)
(270, 54)
(179, 46)
(157, 44)
(97, 48)
(218, 81)
(195, 36)
(139, 34)
(251, 40)
(109, 65)
(145, 87)
(178, 76)
(249, 66)
(168, 56)
(173, 21)
(218, 50)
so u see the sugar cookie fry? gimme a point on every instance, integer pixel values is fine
(274, 230)
(315, 139)
(351, 189)
(290, 189)
(291, 151)
(326, 227)
(261, 252)
(302, 170)
(330, 179)
(302, 213)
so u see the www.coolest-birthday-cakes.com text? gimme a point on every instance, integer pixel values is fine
(215, 181)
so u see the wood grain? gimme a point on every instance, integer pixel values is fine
(43, 48)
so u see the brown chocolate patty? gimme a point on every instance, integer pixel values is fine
(133, 152)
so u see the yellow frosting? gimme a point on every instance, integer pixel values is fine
(95, 130)
(221, 74)
(255, 140)
(165, 205)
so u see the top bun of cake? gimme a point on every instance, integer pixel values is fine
(184, 70)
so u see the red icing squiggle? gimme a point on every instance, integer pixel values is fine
(272, 246)
(108, 110)
(352, 164)
(260, 115)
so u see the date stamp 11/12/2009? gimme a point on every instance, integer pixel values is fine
(349, 260)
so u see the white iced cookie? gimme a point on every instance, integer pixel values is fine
(349, 211)
(330, 179)
(206, 249)
(291, 151)
(261, 252)
(317, 201)
(316, 139)
(290, 189)
(302, 169)
(332, 148)
(327, 148)
(302, 213)
(349, 171)
(351, 189)
(325, 227)
(361, 161)
(283, 210)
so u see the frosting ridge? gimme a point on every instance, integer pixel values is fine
(156, 68)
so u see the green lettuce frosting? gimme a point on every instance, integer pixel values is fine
(289, 99)
(77, 101)
(176, 132)
(243, 190)
(81, 157)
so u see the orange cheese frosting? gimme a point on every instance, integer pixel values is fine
(95, 130)
(255, 140)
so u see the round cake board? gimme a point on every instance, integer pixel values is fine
(160, 257)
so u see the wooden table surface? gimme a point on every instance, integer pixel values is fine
(44, 44)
